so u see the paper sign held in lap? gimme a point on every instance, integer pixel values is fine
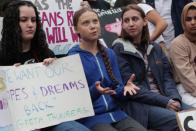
(41, 96)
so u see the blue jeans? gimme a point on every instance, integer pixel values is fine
(7, 128)
(163, 119)
(67, 126)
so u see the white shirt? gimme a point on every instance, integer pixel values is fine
(111, 2)
(164, 9)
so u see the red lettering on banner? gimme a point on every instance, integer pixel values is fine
(70, 18)
(74, 35)
(54, 18)
(57, 35)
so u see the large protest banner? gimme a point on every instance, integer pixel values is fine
(41, 96)
(187, 120)
(57, 19)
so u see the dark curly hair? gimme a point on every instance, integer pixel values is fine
(11, 34)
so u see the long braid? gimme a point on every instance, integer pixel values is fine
(107, 64)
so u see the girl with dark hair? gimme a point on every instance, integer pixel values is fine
(23, 39)
(102, 72)
(137, 55)
(24, 42)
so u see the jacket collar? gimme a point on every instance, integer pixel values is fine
(129, 47)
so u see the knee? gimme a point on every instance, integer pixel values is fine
(171, 122)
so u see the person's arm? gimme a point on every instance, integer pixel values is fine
(129, 88)
(119, 90)
(153, 17)
(169, 86)
(180, 56)
(159, 23)
(84, 4)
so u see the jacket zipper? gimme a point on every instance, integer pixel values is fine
(103, 96)
(102, 77)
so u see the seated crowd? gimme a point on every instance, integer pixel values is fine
(137, 84)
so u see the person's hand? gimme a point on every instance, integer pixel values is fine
(17, 64)
(85, 4)
(104, 90)
(131, 88)
(174, 105)
(48, 61)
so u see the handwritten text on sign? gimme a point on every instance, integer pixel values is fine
(57, 19)
(5, 119)
(47, 95)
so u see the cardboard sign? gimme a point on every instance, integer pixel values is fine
(57, 20)
(40, 96)
(187, 120)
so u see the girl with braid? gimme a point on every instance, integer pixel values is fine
(101, 70)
